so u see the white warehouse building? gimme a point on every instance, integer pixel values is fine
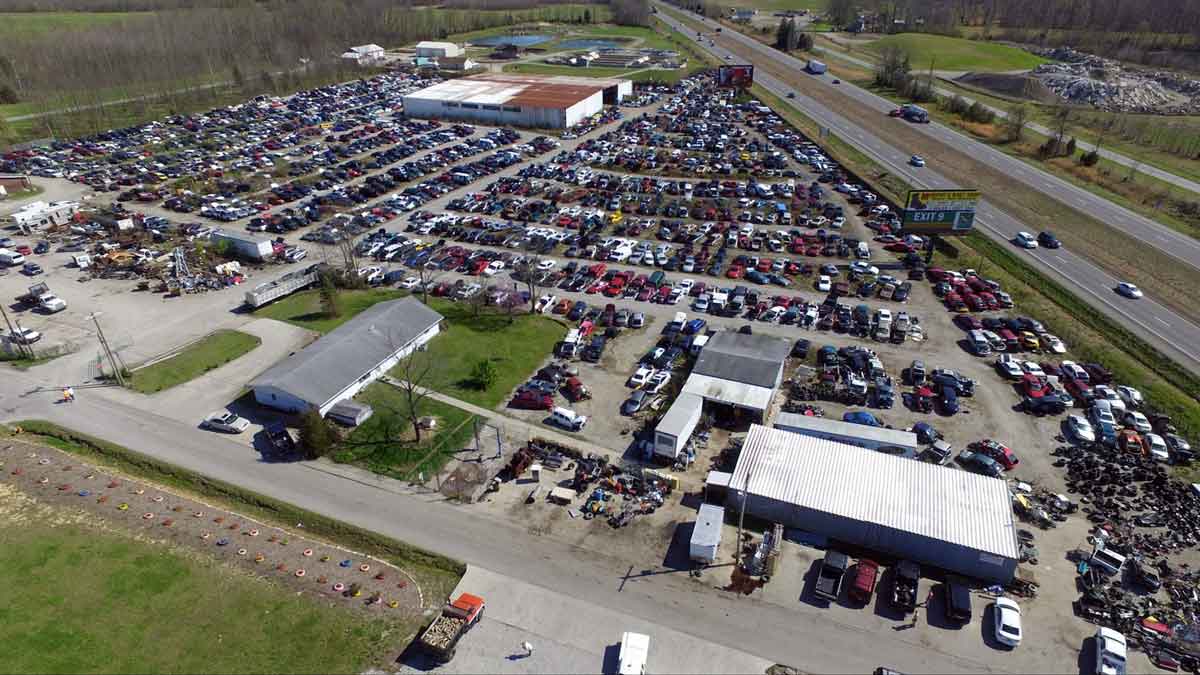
(438, 50)
(553, 102)
(342, 363)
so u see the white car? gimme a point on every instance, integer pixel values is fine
(1110, 652)
(657, 381)
(24, 336)
(640, 377)
(916, 160)
(546, 265)
(493, 268)
(864, 268)
(1109, 394)
(1157, 447)
(1033, 369)
(1008, 621)
(225, 421)
(1129, 290)
(1081, 429)
(1009, 367)
(824, 283)
(686, 286)
(1132, 397)
(410, 283)
(372, 275)
(1138, 421)
(1025, 240)
(1052, 344)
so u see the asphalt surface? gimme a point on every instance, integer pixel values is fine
(662, 596)
(1175, 335)
(1115, 157)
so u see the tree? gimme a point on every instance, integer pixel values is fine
(330, 302)
(805, 42)
(8, 95)
(317, 437)
(484, 374)
(630, 12)
(1070, 149)
(239, 78)
(893, 68)
(416, 375)
(527, 273)
(1018, 117)
(781, 34)
(841, 13)
(428, 277)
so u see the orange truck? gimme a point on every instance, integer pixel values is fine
(441, 638)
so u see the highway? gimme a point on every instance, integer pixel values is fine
(1175, 335)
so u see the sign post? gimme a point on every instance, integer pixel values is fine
(940, 212)
(736, 77)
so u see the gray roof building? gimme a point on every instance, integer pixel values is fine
(347, 359)
(749, 359)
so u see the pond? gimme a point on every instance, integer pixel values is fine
(526, 40)
(590, 43)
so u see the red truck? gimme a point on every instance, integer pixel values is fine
(458, 617)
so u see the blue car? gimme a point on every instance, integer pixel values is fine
(694, 326)
(861, 417)
(925, 432)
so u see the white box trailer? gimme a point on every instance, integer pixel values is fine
(706, 535)
(244, 246)
(816, 67)
(284, 285)
(635, 649)
(676, 427)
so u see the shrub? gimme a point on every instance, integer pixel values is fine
(316, 436)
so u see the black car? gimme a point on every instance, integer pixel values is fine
(280, 438)
(800, 349)
(1143, 577)
(1048, 240)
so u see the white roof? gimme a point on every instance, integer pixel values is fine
(709, 520)
(938, 502)
(684, 412)
(726, 391)
(432, 44)
(367, 49)
(821, 425)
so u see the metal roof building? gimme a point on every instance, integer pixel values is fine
(739, 370)
(557, 101)
(940, 516)
(859, 435)
(343, 362)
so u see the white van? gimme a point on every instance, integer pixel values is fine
(635, 649)
(12, 258)
(568, 419)
(863, 251)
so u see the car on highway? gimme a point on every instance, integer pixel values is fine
(916, 160)
(791, 94)
(1025, 240)
(1007, 615)
(1129, 290)
(225, 422)
(1048, 240)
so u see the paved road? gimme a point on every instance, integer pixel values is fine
(1170, 332)
(1115, 157)
(808, 638)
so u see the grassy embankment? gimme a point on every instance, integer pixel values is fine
(211, 351)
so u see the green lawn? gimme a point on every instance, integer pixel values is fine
(780, 5)
(83, 600)
(210, 352)
(516, 349)
(384, 444)
(947, 53)
(304, 309)
(26, 23)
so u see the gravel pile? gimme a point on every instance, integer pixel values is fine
(1110, 85)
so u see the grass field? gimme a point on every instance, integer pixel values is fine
(304, 309)
(35, 23)
(545, 69)
(947, 53)
(212, 351)
(780, 5)
(384, 445)
(516, 349)
(85, 600)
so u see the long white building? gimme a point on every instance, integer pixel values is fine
(553, 102)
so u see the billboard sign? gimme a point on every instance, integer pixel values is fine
(738, 77)
(940, 211)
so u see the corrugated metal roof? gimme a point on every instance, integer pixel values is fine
(938, 502)
(726, 391)
(323, 369)
(793, 421)
(555, 91)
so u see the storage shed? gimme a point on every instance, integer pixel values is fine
(244, 245)
(706, 535)
(944, 517)
(438, 50)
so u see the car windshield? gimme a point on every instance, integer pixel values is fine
(1011, 629)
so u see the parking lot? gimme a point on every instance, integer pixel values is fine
(692, 204)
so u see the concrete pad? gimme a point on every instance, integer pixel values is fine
(571, 636)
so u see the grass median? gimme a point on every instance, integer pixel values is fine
(212, 351)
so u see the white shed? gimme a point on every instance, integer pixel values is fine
(437, 50)
(706, 535)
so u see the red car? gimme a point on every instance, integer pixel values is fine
(899, 247)
(999, 452)
(532, 400)
(735, 272)
(966, 322)
(24, 249)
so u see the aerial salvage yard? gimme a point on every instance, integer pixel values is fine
(745, 323)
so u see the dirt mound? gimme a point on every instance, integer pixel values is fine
(1013, 86)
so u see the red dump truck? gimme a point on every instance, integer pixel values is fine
(458, 617)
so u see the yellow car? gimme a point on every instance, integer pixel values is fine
(1030, 341)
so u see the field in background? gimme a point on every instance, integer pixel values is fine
(27, 23)
(947, 53)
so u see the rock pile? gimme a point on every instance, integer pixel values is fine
(1110, 85)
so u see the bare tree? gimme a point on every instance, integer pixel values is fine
(428, 276)
(1018, 117)
(528, 274)
(416, 375)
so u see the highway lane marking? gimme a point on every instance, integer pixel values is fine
(1161, 321)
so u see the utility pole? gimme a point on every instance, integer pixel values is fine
(24, 349)
(117, 370)
(737, 556)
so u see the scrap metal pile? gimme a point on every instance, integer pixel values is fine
(1111, 85)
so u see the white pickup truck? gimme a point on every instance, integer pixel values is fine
(51, 303)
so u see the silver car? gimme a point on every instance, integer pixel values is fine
(225, 422)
